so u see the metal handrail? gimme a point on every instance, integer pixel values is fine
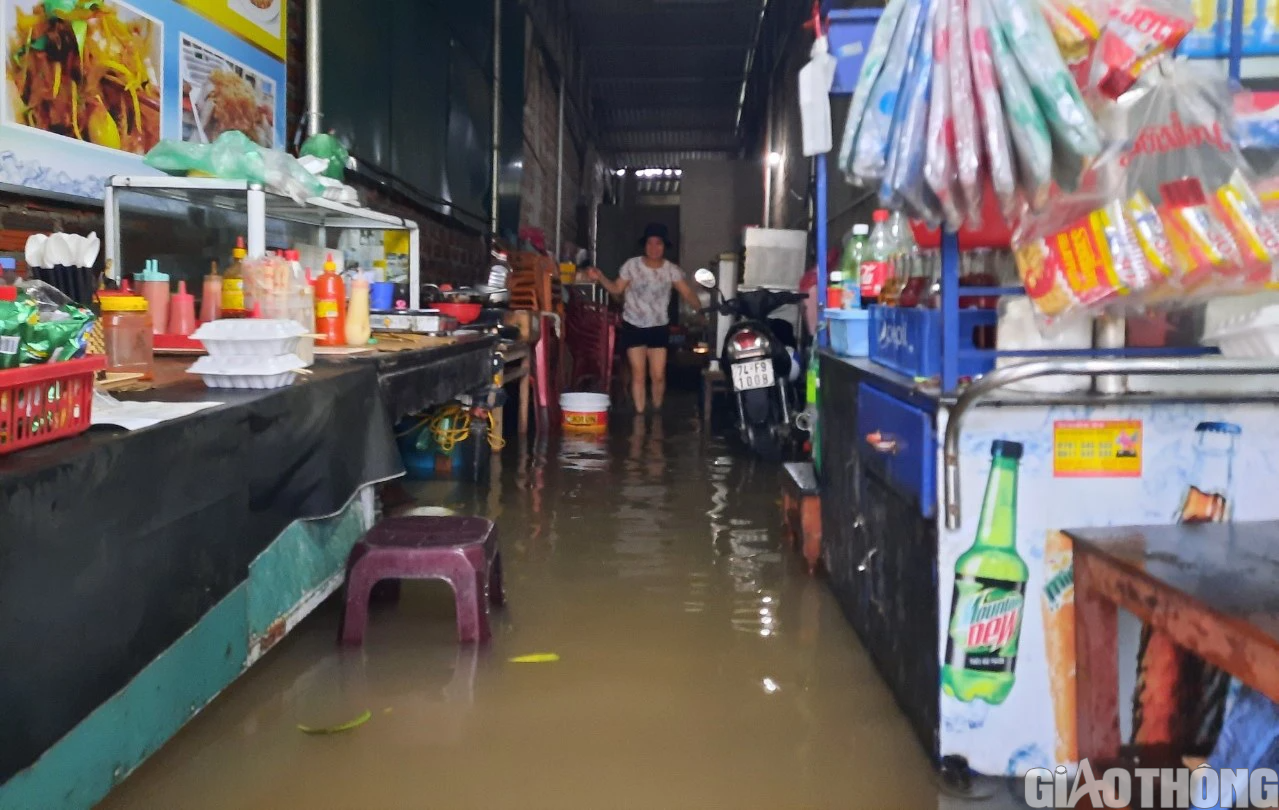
(1007, 375)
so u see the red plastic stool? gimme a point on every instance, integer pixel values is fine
(462, 551)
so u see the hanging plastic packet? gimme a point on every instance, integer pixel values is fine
(815, 81)
(1069, 120)
(963, 108)
(904, 185)
(1256, 233)
(874, 61)
(993, 126)
(1137, 33)
(1199, 236)
(1083, 265)
(16, 317)
(939, 164)
(1076, 26)
(1031, 143)
(870, 153)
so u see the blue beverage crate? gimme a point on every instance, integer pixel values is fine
(909, 340)
(849, 331)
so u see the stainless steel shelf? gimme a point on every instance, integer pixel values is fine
(258, 205)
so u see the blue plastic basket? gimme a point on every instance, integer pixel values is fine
(849, 331)
(909, 340)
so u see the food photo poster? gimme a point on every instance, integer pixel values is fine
(91, 85)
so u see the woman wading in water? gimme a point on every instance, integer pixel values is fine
(645, 284)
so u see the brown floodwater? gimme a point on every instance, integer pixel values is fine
(699, 666)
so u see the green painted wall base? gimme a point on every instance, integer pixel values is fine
(294, 574)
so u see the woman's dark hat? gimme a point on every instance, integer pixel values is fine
(659, 230)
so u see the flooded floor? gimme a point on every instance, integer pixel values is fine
(699, 667)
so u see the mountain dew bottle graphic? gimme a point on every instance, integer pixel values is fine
(990, 593)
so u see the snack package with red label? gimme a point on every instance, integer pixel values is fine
(876, 53)
(1254, 231)
(963, 110)
(870, 152)
(939, 165)
(994, 127)
(1136, 34)
(1076, 26)
(1086, 264)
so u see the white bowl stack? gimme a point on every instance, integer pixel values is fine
(249, 353)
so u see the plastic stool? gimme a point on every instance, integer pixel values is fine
(462, 551)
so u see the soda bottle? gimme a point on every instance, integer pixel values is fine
(835, 289)
(1173, 700)
(905, 257)
(879, 252)
(854, 255)
(990, 593)
(1208, 496)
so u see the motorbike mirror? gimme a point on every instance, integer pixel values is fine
(705, 278)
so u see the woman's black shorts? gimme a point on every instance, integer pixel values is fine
(634, 337)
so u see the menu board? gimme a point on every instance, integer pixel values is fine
(91, 85)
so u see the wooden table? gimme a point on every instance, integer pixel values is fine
(1213, 589)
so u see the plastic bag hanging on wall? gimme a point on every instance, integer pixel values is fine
(815, 80)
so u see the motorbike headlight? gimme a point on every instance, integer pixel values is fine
(745, 344)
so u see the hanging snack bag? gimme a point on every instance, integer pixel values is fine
(1072, 126)
(939, 165)
(1166, 215)
(870, 152)
(993, 126)
(904, 185)
(1030, 139)
(963, 109)
(871, 66)
(1137, 33)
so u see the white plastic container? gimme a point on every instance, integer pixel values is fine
(1018, 331)
(1249, 333)
(251, 337)
(248, 371)
(585, 412)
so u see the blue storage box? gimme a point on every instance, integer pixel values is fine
(909, 340)
(849, 37)
(849, 331)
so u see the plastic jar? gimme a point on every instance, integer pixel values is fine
(127, 329)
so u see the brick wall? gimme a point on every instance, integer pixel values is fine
(450, 252)
(541, 145)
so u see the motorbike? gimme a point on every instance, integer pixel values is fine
(761, 358)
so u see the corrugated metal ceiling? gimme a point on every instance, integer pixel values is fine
(666, 75)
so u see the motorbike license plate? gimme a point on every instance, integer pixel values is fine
(756, 374)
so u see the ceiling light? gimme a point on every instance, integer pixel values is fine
(620, 172)
(669, 172)
(774, 158)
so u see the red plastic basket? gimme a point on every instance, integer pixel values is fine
(40, 404)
